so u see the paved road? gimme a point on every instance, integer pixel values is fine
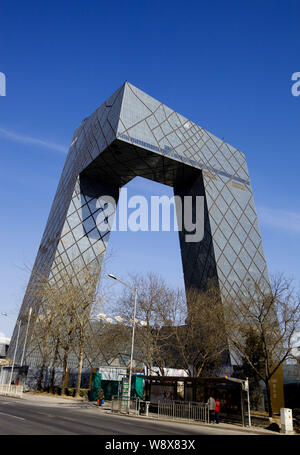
(21, 417)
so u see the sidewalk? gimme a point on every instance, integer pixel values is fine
(224, 426)
(47, 398)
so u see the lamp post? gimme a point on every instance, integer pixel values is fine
(133, 332)
(18, 322)
(246, 387)
(25, 341)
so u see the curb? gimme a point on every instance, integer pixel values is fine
(257, 430)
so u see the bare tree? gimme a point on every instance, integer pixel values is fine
(154, 311)
(272, 315)
(43, 323)
(198, 335)
(174, 334)
(60, 323)
(64, 324)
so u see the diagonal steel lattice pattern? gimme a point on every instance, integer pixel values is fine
(130, 135)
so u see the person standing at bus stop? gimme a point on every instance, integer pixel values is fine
(217, 410)
(101, 397)
(211, 408)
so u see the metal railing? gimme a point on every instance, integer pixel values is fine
(11, 390)
(187, 410)
(125, 405)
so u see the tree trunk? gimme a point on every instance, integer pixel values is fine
(41, 377)
(79, 371)
(42, 373)
(65, 362)
(269, 398)
(54, 367)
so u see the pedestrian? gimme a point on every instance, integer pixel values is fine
(101, 397)
(217, 410)
(211, 408)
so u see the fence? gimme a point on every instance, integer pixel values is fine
(11, 390)
(124, 404)
(188, 410)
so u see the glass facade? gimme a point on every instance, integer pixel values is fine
(130, 135)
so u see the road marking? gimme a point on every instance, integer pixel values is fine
(10, 415)
(8, 402)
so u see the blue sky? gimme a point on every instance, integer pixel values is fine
(226, 65)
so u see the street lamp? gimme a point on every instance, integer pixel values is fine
(18, 322)
(25, 341)
(133, 331)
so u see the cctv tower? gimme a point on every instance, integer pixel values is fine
(130, 135)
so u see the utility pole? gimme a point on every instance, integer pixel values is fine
(246, 387)
(133, 332)
(25, 341)
(14, 359)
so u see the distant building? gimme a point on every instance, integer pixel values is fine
(291, 369)
(4, 345)
(295, 341)
(291, 376)
(291, 373)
